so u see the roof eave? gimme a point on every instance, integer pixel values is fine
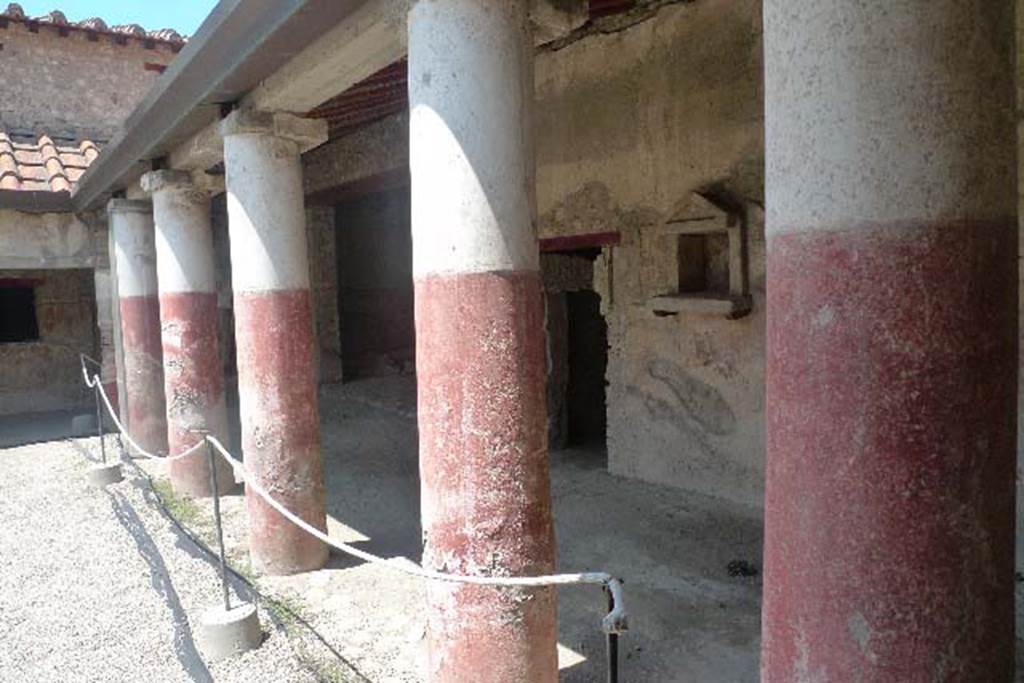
(239, 44)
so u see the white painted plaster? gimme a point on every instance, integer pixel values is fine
(905, 114)
(184, 240)
(131, 223)
(471, 147)
(266, 215)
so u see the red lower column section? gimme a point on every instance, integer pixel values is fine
(484, 474)
(194, 388)
(891, 411)
(144, 372)
(280, 427)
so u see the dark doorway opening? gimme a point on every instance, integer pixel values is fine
(588, 362)
(18, 321)
(375, 290)
(577, 355)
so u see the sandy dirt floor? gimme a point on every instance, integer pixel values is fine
(691, 618)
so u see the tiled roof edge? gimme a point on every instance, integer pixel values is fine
(56, 18)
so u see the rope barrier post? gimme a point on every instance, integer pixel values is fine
(99, 421)
(225, 632)
(612, 643)
(210, 458)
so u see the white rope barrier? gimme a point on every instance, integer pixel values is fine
(95, 383)
(614, 622)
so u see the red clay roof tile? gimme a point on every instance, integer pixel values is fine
(42, 164)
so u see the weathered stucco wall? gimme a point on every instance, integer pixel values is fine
(69, 86)
(629, 124)
(47, 240)
(44, 375)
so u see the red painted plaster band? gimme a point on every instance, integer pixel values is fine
(194, 382)
(484, 473)
(891, 411)
(280, 426)
(143, 370)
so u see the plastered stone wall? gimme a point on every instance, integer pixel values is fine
(69, 86)
(629, 124)
(44, 375)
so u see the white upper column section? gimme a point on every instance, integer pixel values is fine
(471, 145)
(184, 236)
(888, 112)
(131, 225)
(266, 214)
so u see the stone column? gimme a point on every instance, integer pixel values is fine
(892, 318)
(274, 332)
(131, 223)
(193, 376)
(486, 501)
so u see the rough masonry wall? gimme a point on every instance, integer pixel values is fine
(629, 125)
(44, 375)
(69, 86)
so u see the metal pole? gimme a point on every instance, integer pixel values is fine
(220, 529)
(99, 419)
(612, 641)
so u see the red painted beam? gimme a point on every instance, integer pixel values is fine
(593, 240)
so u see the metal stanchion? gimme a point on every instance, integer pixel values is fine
(226, 631)
(210, 458)
(612, 641)
(99, 421)
(105, 473)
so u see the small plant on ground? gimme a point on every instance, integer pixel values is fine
(183, 509)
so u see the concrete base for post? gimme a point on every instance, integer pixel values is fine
(83, 425)
(223, 633)
(105, 474)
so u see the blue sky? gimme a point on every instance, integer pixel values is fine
(184, 16)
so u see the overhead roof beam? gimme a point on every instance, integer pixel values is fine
(365, 42)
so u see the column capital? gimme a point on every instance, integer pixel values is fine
(121, 206)
(166, 179)
(306, 133)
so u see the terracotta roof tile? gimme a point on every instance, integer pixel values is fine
(43, 164)
(15, 12)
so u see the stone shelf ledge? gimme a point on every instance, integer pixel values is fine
(726, 305)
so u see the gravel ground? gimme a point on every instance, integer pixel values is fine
(100, 586)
